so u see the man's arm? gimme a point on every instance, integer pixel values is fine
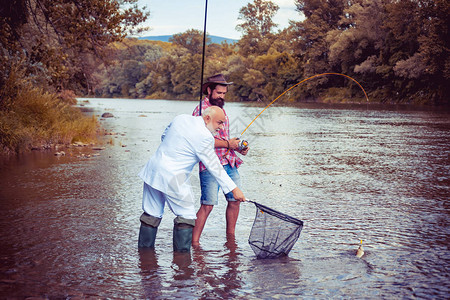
(208, 157)
(232, 144)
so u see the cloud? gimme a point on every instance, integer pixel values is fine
(285, 13)
(284, 3)
(176, 16)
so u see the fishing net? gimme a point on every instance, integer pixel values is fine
(273, 233)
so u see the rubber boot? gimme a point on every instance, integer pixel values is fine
(147, 236)
(148, 230)
(182, 234)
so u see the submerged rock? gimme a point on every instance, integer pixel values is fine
(107, 115)
(79, 144)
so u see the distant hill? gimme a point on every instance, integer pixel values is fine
(165, 38)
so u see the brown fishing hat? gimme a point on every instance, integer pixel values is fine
(216, 79)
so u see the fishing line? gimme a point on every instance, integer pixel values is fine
(203, 58)
(273, 233)
(304, 80)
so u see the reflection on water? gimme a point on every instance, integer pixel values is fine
(151, 282)
(218, 274)
(69, 224)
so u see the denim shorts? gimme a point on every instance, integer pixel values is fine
(210, 186)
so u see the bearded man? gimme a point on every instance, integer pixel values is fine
(215, 90)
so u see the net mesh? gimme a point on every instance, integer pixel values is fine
(273, 233)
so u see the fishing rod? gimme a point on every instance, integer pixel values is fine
(304, 80)
(203, 58)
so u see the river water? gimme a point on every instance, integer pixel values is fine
(69, 224)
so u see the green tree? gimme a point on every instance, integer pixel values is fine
(192, 40)
(235, 67)
(424, 69)
(311, 46)
(257, 27)
(257, 16)
(129, 69)
(356, 46)
(52, 38)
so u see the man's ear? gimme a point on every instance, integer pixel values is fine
(208, 89)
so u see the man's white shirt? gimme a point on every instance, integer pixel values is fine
(185, 142)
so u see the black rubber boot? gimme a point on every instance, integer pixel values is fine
(148, 230)
(182, 234)
(147, 236)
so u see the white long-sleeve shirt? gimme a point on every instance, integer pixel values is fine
(185, 142)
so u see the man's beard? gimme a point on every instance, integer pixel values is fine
(217, 101)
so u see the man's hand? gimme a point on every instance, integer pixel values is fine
(234, 143)
(244, 152)
(238, 195)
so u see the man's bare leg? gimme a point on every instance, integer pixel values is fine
(202, 216)
(231, 215)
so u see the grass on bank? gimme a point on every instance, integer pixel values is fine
(36, 119)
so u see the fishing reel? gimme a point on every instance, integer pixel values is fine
(243, 144)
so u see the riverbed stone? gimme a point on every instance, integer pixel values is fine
(107, 115)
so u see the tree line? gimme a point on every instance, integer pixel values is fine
(397, 50)
(52, 50)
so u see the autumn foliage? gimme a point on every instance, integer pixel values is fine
(398, 50)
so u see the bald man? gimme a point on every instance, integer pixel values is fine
(185, 142)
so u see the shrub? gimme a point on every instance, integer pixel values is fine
(38, 119)
(68, 96)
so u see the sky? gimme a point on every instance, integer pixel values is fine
(168, 17)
